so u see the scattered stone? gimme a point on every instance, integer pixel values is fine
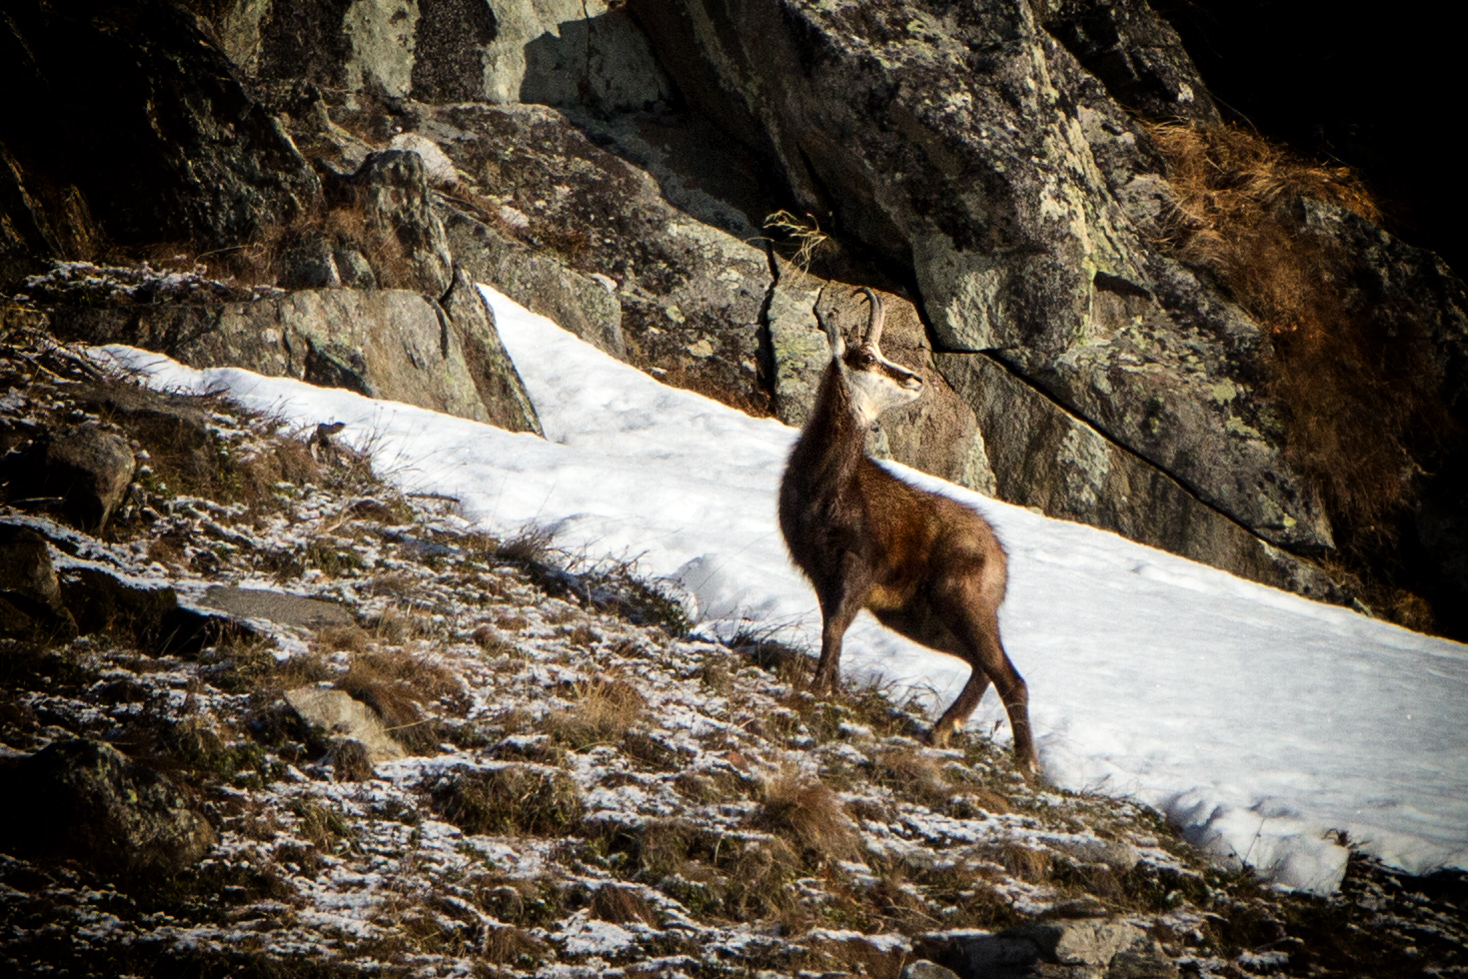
(346, 718)
(84, 799)
(1120, 856)
(84, 472)
(277, 607)
(923, 969)
(30, 597)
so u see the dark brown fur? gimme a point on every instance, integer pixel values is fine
(927, 566)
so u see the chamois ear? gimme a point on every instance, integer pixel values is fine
(833, 335)
(876, 318)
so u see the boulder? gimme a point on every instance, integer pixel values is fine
(30, 597)
(342, 717)
(501, 391)
(387, 343)
(83, 472)
(958, 146)
(171, 148)
(391, 195)
(146, 613)
(502, 51)
(85, 800)
(691, 296)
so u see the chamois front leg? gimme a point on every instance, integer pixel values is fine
(840, 602)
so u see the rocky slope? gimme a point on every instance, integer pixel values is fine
(263, 715)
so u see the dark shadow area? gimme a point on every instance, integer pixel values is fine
(1369, 89)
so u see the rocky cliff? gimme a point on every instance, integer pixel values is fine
(1102, 344)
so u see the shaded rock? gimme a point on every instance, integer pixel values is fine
(1073, 949)
(339, 715)
(501, 391)
(30, 597)
(536, 281)
(391, 192)
(151, 616)
(278, 607)
(1044, 457)
(551, 51)
(959, 145)
(170, 148)
(83, 799)
(387, 343)
(691, 296)
(83, 472)
(438, 169)
(353, 268)
(1136, 54)
(310, 263)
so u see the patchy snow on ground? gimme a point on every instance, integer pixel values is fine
(1260, 722)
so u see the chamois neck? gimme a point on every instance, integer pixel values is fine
(834, 431)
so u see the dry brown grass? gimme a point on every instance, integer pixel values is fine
(1359, 399)
(602, 712)
(510, 801)
(809, 815)
(398, 686)
(621, 905)
(914, 775)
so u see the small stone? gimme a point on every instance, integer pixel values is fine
(339, 714)
(923, 969)
(30, 597)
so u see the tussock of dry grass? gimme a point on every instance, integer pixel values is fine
(397, 686)
(510, 801)
(621, 905)
(808, 814)
(604, 711)
(1360, 403)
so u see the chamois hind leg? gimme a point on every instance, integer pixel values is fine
(840, 602)
(978, 630)
(960, 710)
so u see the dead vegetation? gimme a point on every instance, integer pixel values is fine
(1358, 391)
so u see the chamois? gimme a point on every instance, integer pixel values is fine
(927, 566)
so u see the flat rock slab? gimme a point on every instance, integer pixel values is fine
(277, 607)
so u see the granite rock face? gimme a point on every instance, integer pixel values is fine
(86, 800)
(956, 143)
(170, 148)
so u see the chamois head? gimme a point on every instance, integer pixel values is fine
(876, 384)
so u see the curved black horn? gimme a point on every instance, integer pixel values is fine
(878, 317)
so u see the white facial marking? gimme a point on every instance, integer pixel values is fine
(878, 385)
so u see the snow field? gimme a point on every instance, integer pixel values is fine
(1262, 723)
